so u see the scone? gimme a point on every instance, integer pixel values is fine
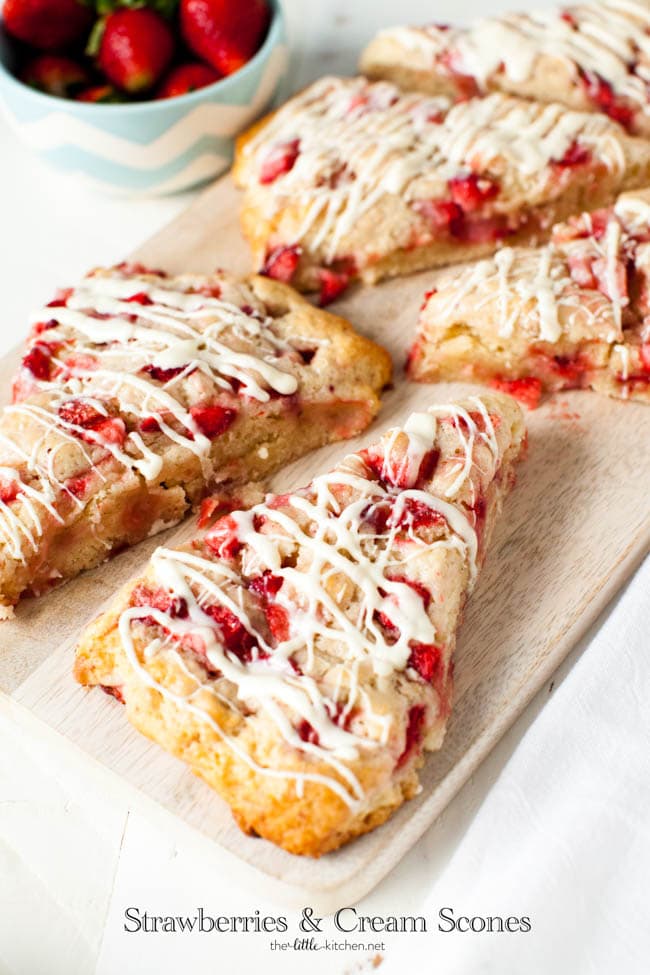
(574, 313)
(590, 57)
(139, 393)
(298, 656)
(351, 179)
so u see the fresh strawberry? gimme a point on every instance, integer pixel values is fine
(308, 733)
(100, 95)
(443, 215)
(471, 192)
(278, 619)
(602, 95)
(39, 360)
(223, 538)
(46, 24)
(135, 49)
(100, 428)
(414, 733)
(332, 284)
(161, 600)
(527, 390)
(163, 375)
(576, 155)
(645, 356)
(234, 635)
(55, 75)
(282, 263)
(186, 78)
(225, 33)
(8, 489)
(212, 420)
(426, 658)
(279, 160)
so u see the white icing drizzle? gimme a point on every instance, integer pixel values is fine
(360, 141)
(320, 544)
(101, 344)
(610, 36)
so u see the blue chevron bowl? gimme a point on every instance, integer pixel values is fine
(148, 148)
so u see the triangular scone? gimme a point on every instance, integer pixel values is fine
(140, 392)
(589, 56)
(298, 658)
(574, 313)
(356, 180)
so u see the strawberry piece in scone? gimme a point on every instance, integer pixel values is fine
(139, 393)
(298, 656)
(589, 57)
(574, 313)
(357, 180)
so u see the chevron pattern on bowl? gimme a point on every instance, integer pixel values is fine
(154, 147)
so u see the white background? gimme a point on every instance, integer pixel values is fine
(554, 826)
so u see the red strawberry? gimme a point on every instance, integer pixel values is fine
(426, 659)
(278, 619)
(162, 375)
(39, 360)
(212, 420)
(279, 160)
(186, 78)
(443, 215)
(55, 75)
(282, 263)
(267, 585)
(8, 490)
(225, 33)
(645, 356)
(101, 428)
(307, 732)
(414, 733)
(602, 94)
(528, 390)
(234, 634)
(135, 49)
(471, 192)
(100, 95)
(332, 284)
(576, 155)
(159, 599)
(46, 24)
(223, 538)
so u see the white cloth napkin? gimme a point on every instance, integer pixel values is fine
(563, 835)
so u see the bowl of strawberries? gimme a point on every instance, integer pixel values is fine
(139, 96)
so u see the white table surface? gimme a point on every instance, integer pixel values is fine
(554, 825)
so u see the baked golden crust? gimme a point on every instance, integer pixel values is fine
(138, 393)
(298, 656)
(586, 56)
(574, 313)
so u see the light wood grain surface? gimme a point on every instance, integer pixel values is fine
(576, 526)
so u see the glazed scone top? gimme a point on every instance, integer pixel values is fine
(575, 286)
(342, 144)
(608, 39)
(331, 601)
(119, 369)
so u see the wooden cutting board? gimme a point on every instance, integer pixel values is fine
(576, 526)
